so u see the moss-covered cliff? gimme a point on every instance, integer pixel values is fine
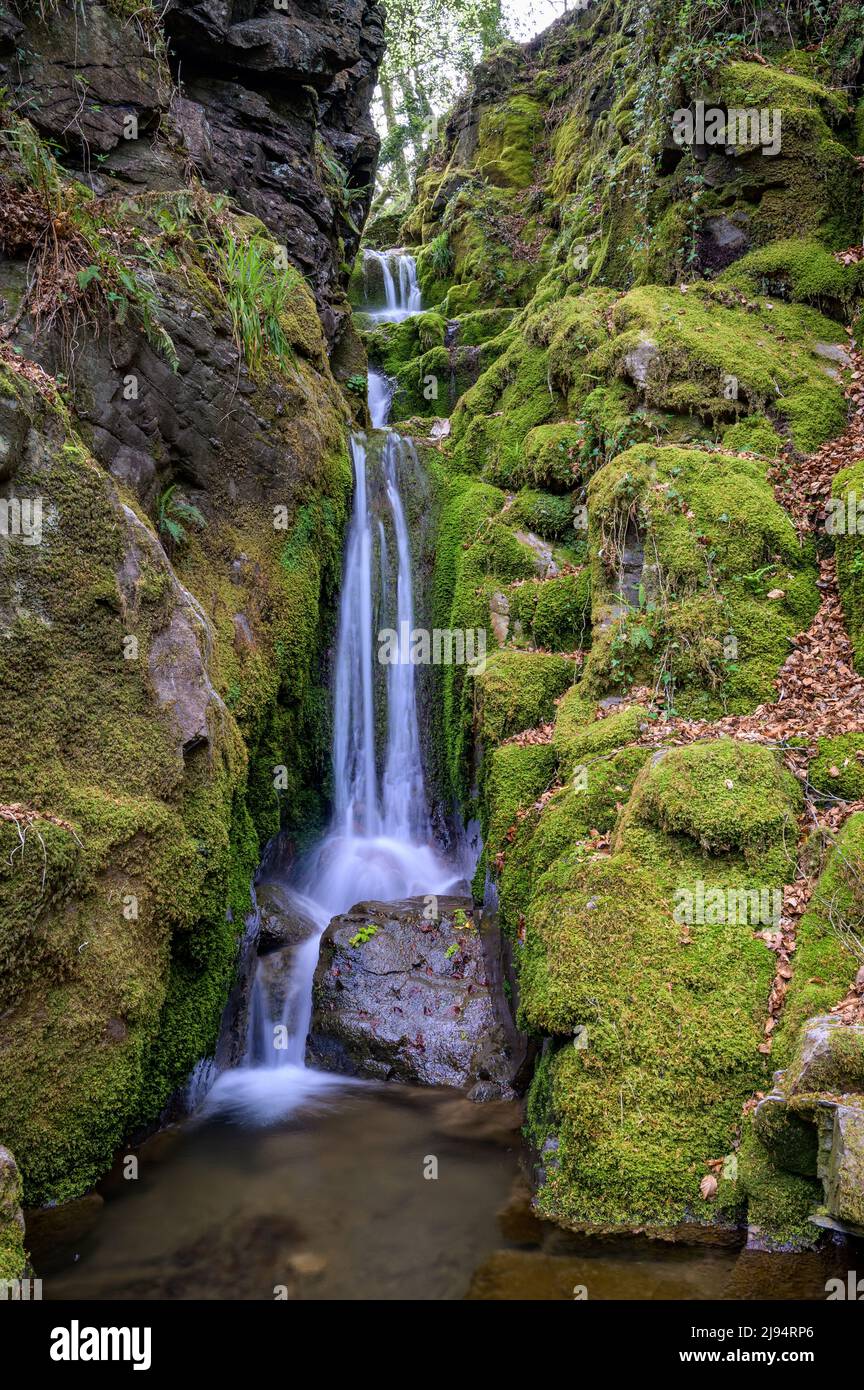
(167, 399)
(650, 341)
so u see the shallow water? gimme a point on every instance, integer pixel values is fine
(332, 1203)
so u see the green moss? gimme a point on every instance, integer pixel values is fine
(483, 325)
(838, 767)
(803, 271)
(824, 964)
(779, 1204)
(554, 613)
(672, 1033)
(507, 142)
(117, 974)
(716, 543)
(695, 344)
(13, 1257)
(755, 435)
(551, 457)
(518, 691)
(546, 513)
(579, 736)
(722, 794)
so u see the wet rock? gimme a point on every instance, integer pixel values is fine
(283, 921)
(411, 1002)
(86, 114)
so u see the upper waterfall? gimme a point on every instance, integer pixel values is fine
(398, 272)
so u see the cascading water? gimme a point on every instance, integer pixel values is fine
(399, 277)
(379, 846)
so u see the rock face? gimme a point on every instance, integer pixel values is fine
(164, 642)
(272, 106)
(409, 1003)
(813, 1122)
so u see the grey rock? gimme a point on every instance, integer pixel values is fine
(283, 921)
(639, 361)
(410, 1004)
(829, 1057)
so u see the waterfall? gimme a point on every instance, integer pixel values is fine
(403, 792)
(379, 845)
(401, 291)
(355, 787)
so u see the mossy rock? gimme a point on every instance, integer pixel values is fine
(13, 1257)
(672, 1034)
(723, 794)
(554, 613)
(702, 354)
(579, 736)
(755, 435)
(824, 963)
(714, 545)
(779, 1203)
(507, 142)
(838, 766)
(517, 691)
(549, 514)
(802, 271)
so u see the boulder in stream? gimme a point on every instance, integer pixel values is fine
(402, 998)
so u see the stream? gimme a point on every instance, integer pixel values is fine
(289, 1182)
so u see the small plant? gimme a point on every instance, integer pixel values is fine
(257, 292)
(364, 934)
(440, 255)
(173, 512)
(451, 950)
(336, 181)
(460, 921)
(357, 383)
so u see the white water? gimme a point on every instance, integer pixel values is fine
(379, 845)
(401, 291)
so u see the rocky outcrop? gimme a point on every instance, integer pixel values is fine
(812, 1123)
(268, 104)
(676, 308)
(166, 395)
(402, 997)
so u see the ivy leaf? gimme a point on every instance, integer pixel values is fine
(87, 276)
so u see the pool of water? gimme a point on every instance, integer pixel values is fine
(334, 1202)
